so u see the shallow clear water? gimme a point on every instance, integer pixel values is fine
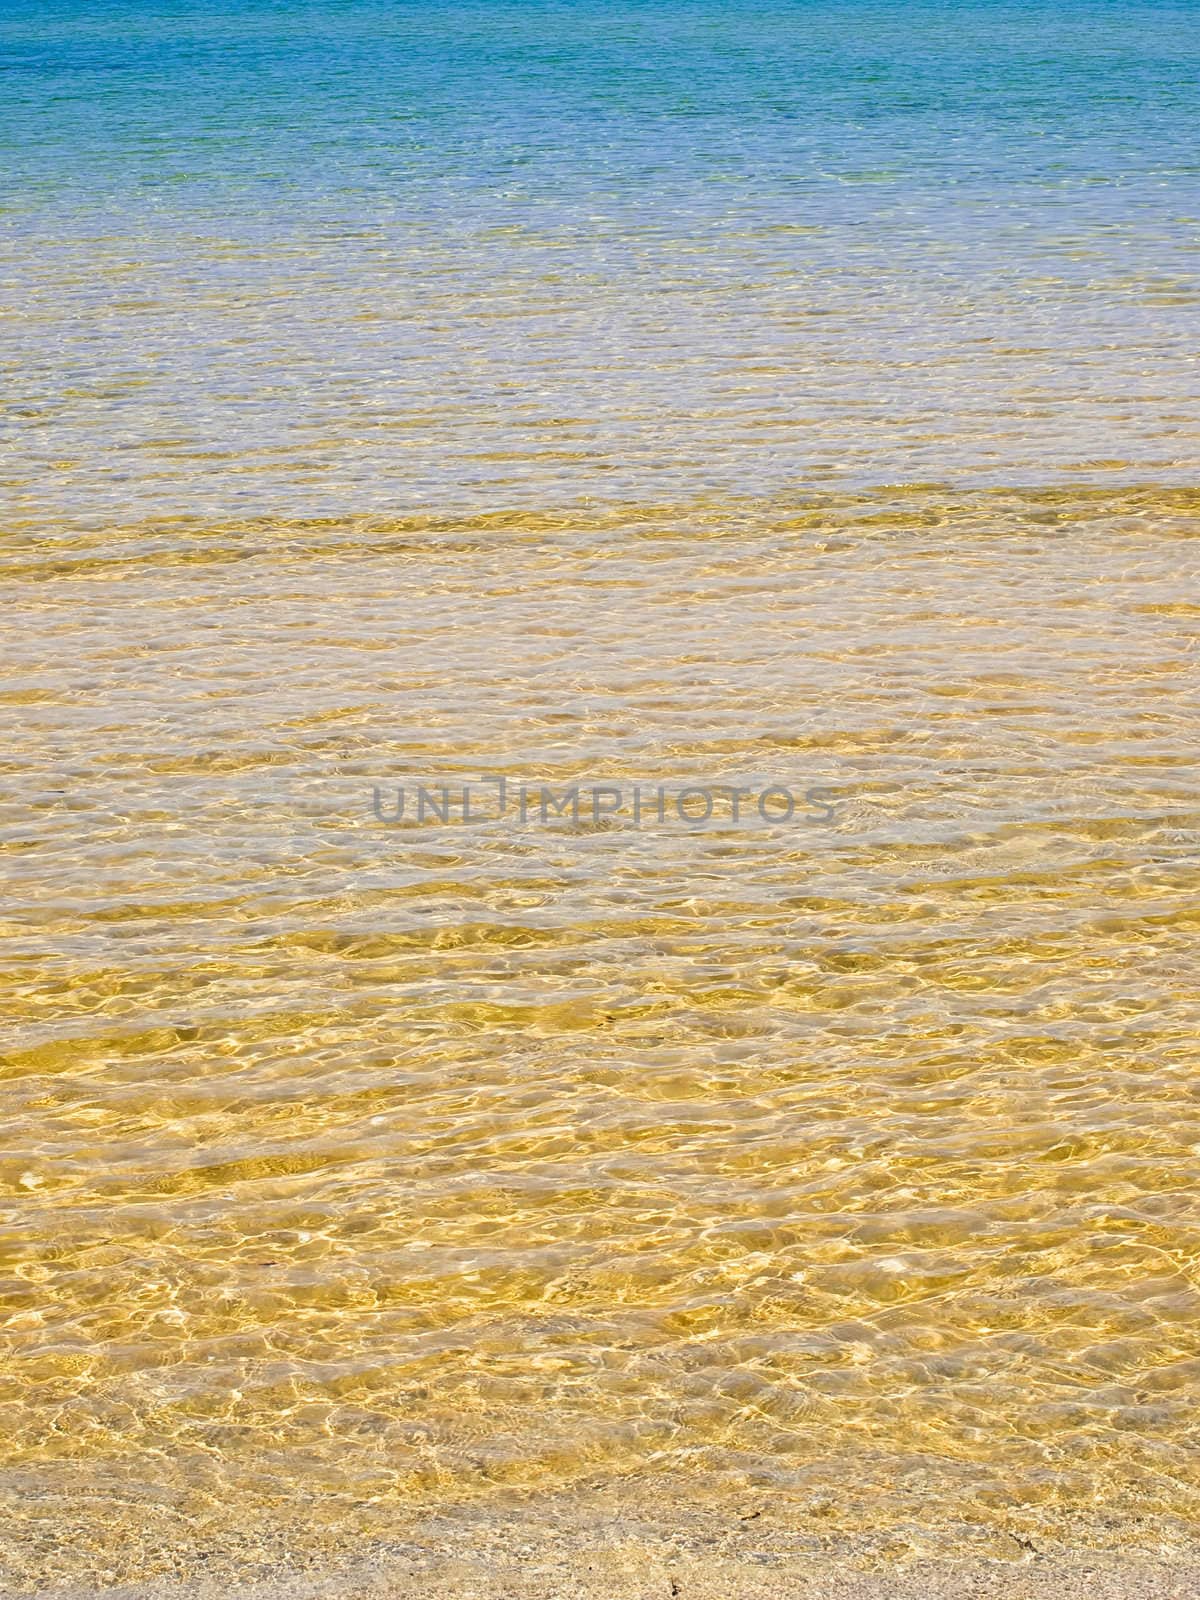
(696, 395)
(280, 259)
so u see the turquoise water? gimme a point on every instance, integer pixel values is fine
(292, 259)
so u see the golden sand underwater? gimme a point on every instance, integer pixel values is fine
(846, 1168)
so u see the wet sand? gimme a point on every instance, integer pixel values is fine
(609, 1544)
(631, 1575)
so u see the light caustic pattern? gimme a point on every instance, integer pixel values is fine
(348, 1161)
(400, 394)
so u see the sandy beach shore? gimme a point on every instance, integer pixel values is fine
(606, 1544)
(632, 1576)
